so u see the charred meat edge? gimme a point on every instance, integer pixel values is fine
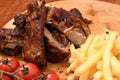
(10, 43)
(30, 27)
(70, 23)
(33, 50)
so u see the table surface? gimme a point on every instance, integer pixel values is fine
(9, 8)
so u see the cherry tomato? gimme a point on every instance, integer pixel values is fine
(9, 64)
(27, 71)
(51, 75)
(5, 77)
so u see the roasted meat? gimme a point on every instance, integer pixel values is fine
(77, 13)
(70, 23)
(11, 40)
(10, 43)
(57, 46)
(33, 44)
(20, 22)
(63, 28)
(44, 33)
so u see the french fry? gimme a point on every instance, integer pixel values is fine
(110, 38)
(98, 75)
(116, 47)
(72, 48)
(99, 65)
(97, 43)
(85, 76)
(97, 59)
(79, 55)
(115, 65)
(89, 63)
(90, 49)
(92, 71)
(73, 66)
(85, 47)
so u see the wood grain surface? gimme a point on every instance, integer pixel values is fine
(9, 8)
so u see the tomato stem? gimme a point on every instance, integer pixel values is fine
(40, 77)
(24, 70)
(12, 74)
(1, 74)
(6, 61)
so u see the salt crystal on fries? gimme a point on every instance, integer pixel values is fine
(97, 59)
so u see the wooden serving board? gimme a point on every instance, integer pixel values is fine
(102, 15)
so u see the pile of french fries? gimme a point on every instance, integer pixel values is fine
(97, 59)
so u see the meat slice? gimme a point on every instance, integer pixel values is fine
(10, 42)
(33, 44)
(57, 46)
(60, 22)
(70, 23)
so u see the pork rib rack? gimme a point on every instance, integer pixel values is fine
(44, 33)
